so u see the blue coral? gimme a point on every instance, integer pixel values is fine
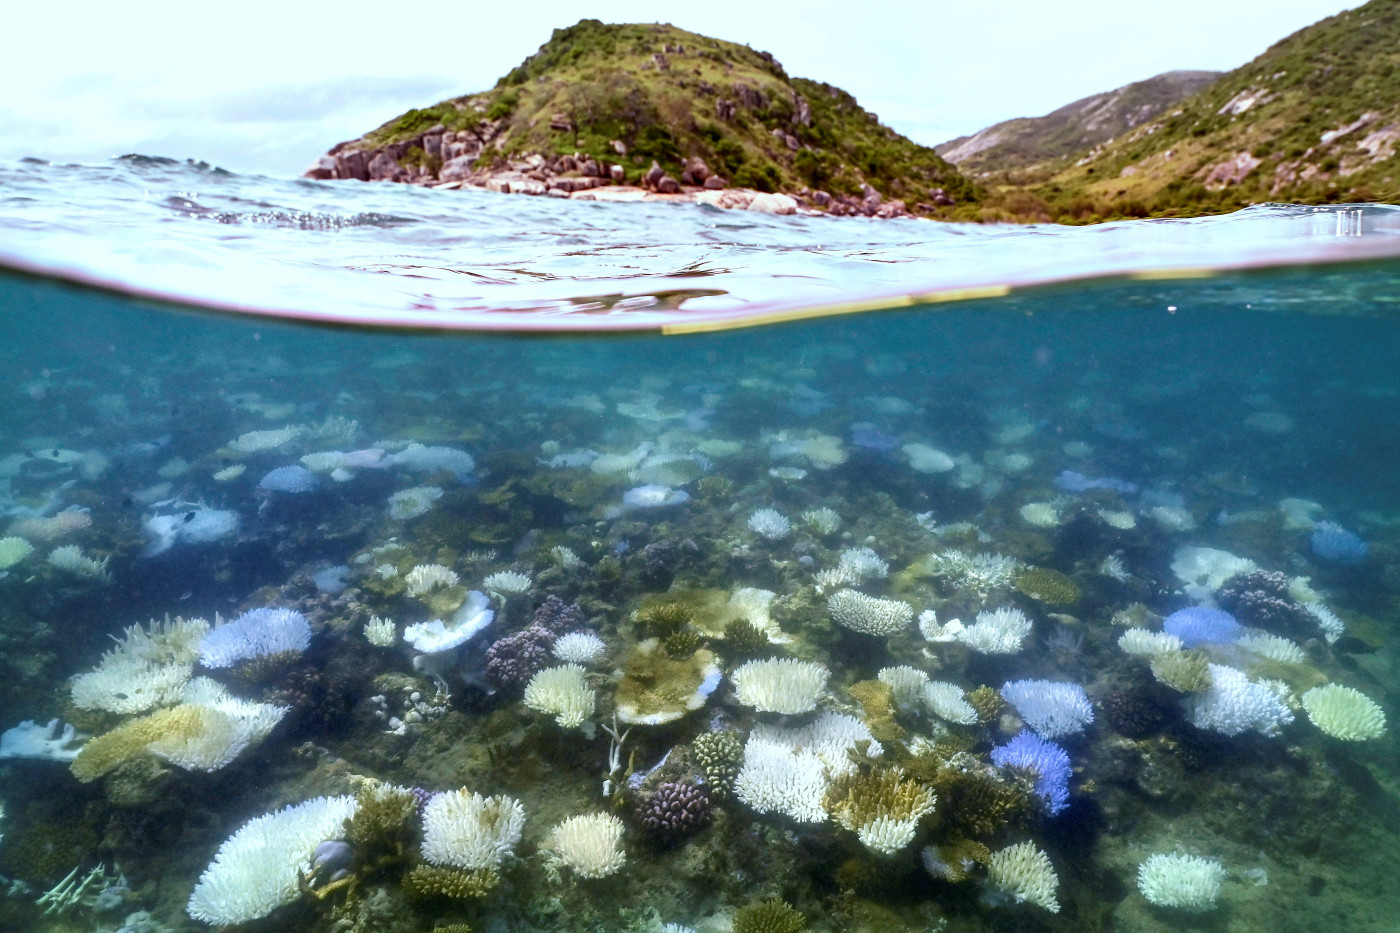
(1048, 762)
(1196, 625)
(1332, 542)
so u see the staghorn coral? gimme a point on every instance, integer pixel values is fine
(1048, 586)
(660, 616)
(882, 806)
(976, 802)
(771, 916)
(1050, 708)
(382, 824)
(1046, 763)
(424, 881)
(743, 638)
(562, 691)
(680, 645)
(465, 830)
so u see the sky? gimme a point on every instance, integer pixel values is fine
(262, 86)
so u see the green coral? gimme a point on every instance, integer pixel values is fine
(657, 688)
(978, 804)
(382, 824)
(864, 796)
(1186, 671)
(770, 916)
(987, 702)
(1048, 586)
(719, 755)
(743, 639)
(425, 880)
(877, 701)
(105, 753)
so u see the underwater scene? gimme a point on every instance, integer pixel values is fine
(1069, 609)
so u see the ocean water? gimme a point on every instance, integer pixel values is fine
(311, 494)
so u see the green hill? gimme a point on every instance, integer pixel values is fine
(1072, 130)
(600, 101)
(1315, 119)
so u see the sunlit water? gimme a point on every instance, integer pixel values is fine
(1088, 434)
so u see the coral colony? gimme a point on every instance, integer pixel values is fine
(710, 647)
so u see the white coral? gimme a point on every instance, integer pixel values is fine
(1025, 873)
(562, 692)
(1344, 713)
(1234, 705)
(869, 615)
(506, 583)
(578, 647)
(589, 844)
(258, 868)
(780, 685)
(947, 701)
(1145, 643)
(770, 523)
(466, 830)
(1177, 880)
(1002, 631)
(425, 578)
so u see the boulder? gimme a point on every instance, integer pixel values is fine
(353, 164)
(523, 185)
(821, 198)
(714, 183)
(561, 123)
(766, 203)
(653, 175)
(432, 144)
(668, 185)
(457, 169)
(617, 173)
(618, 146)
(323, 169)
(384, 167)
(696, 171)
(590, 169)
(725, 109)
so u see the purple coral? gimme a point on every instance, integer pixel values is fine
(1196, 625)
(557, 617)
(1261, 598)
(511, 661)
(1048, 762)
(674, 809)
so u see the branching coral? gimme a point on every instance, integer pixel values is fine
(882, 806)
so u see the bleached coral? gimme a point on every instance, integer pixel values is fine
(1025, 873)
(1344, 713)
(562, 692)
(1172, 517)
(1332, 627)
(56, 741)
(436, 636)
(1051, 709)
(861, 563)
(578, 647)
(1188, 882)
(71, 559)
(380, 632)
(947, 701)
(224, 726)
(52, 527)
(589, 844)
(506, 583)
(869, 615)
(1233, 704)
(1273, 647)
(780, 685)
(1145, 643)
(770, 524)
(1203, 570)
(413, 502)
(424, 578)
(1041, 514)
(906, 684)
(12, 551)
(926, 459)
(259, 441)
(1001, 631)
(466, 830)
(254, 634)
(822, 521)
(434, 459)
(787, 770)
(882, 807)
(981, 573)
(259, 867)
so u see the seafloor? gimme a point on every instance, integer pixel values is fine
(930, 515)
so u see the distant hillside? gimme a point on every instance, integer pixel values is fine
(1315, 119)
(1073, 129)
(598, 104)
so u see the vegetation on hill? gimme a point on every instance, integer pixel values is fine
(1067, 133)
(1315, 119)
(669, 95)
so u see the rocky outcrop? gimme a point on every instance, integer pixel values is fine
(446, 159)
